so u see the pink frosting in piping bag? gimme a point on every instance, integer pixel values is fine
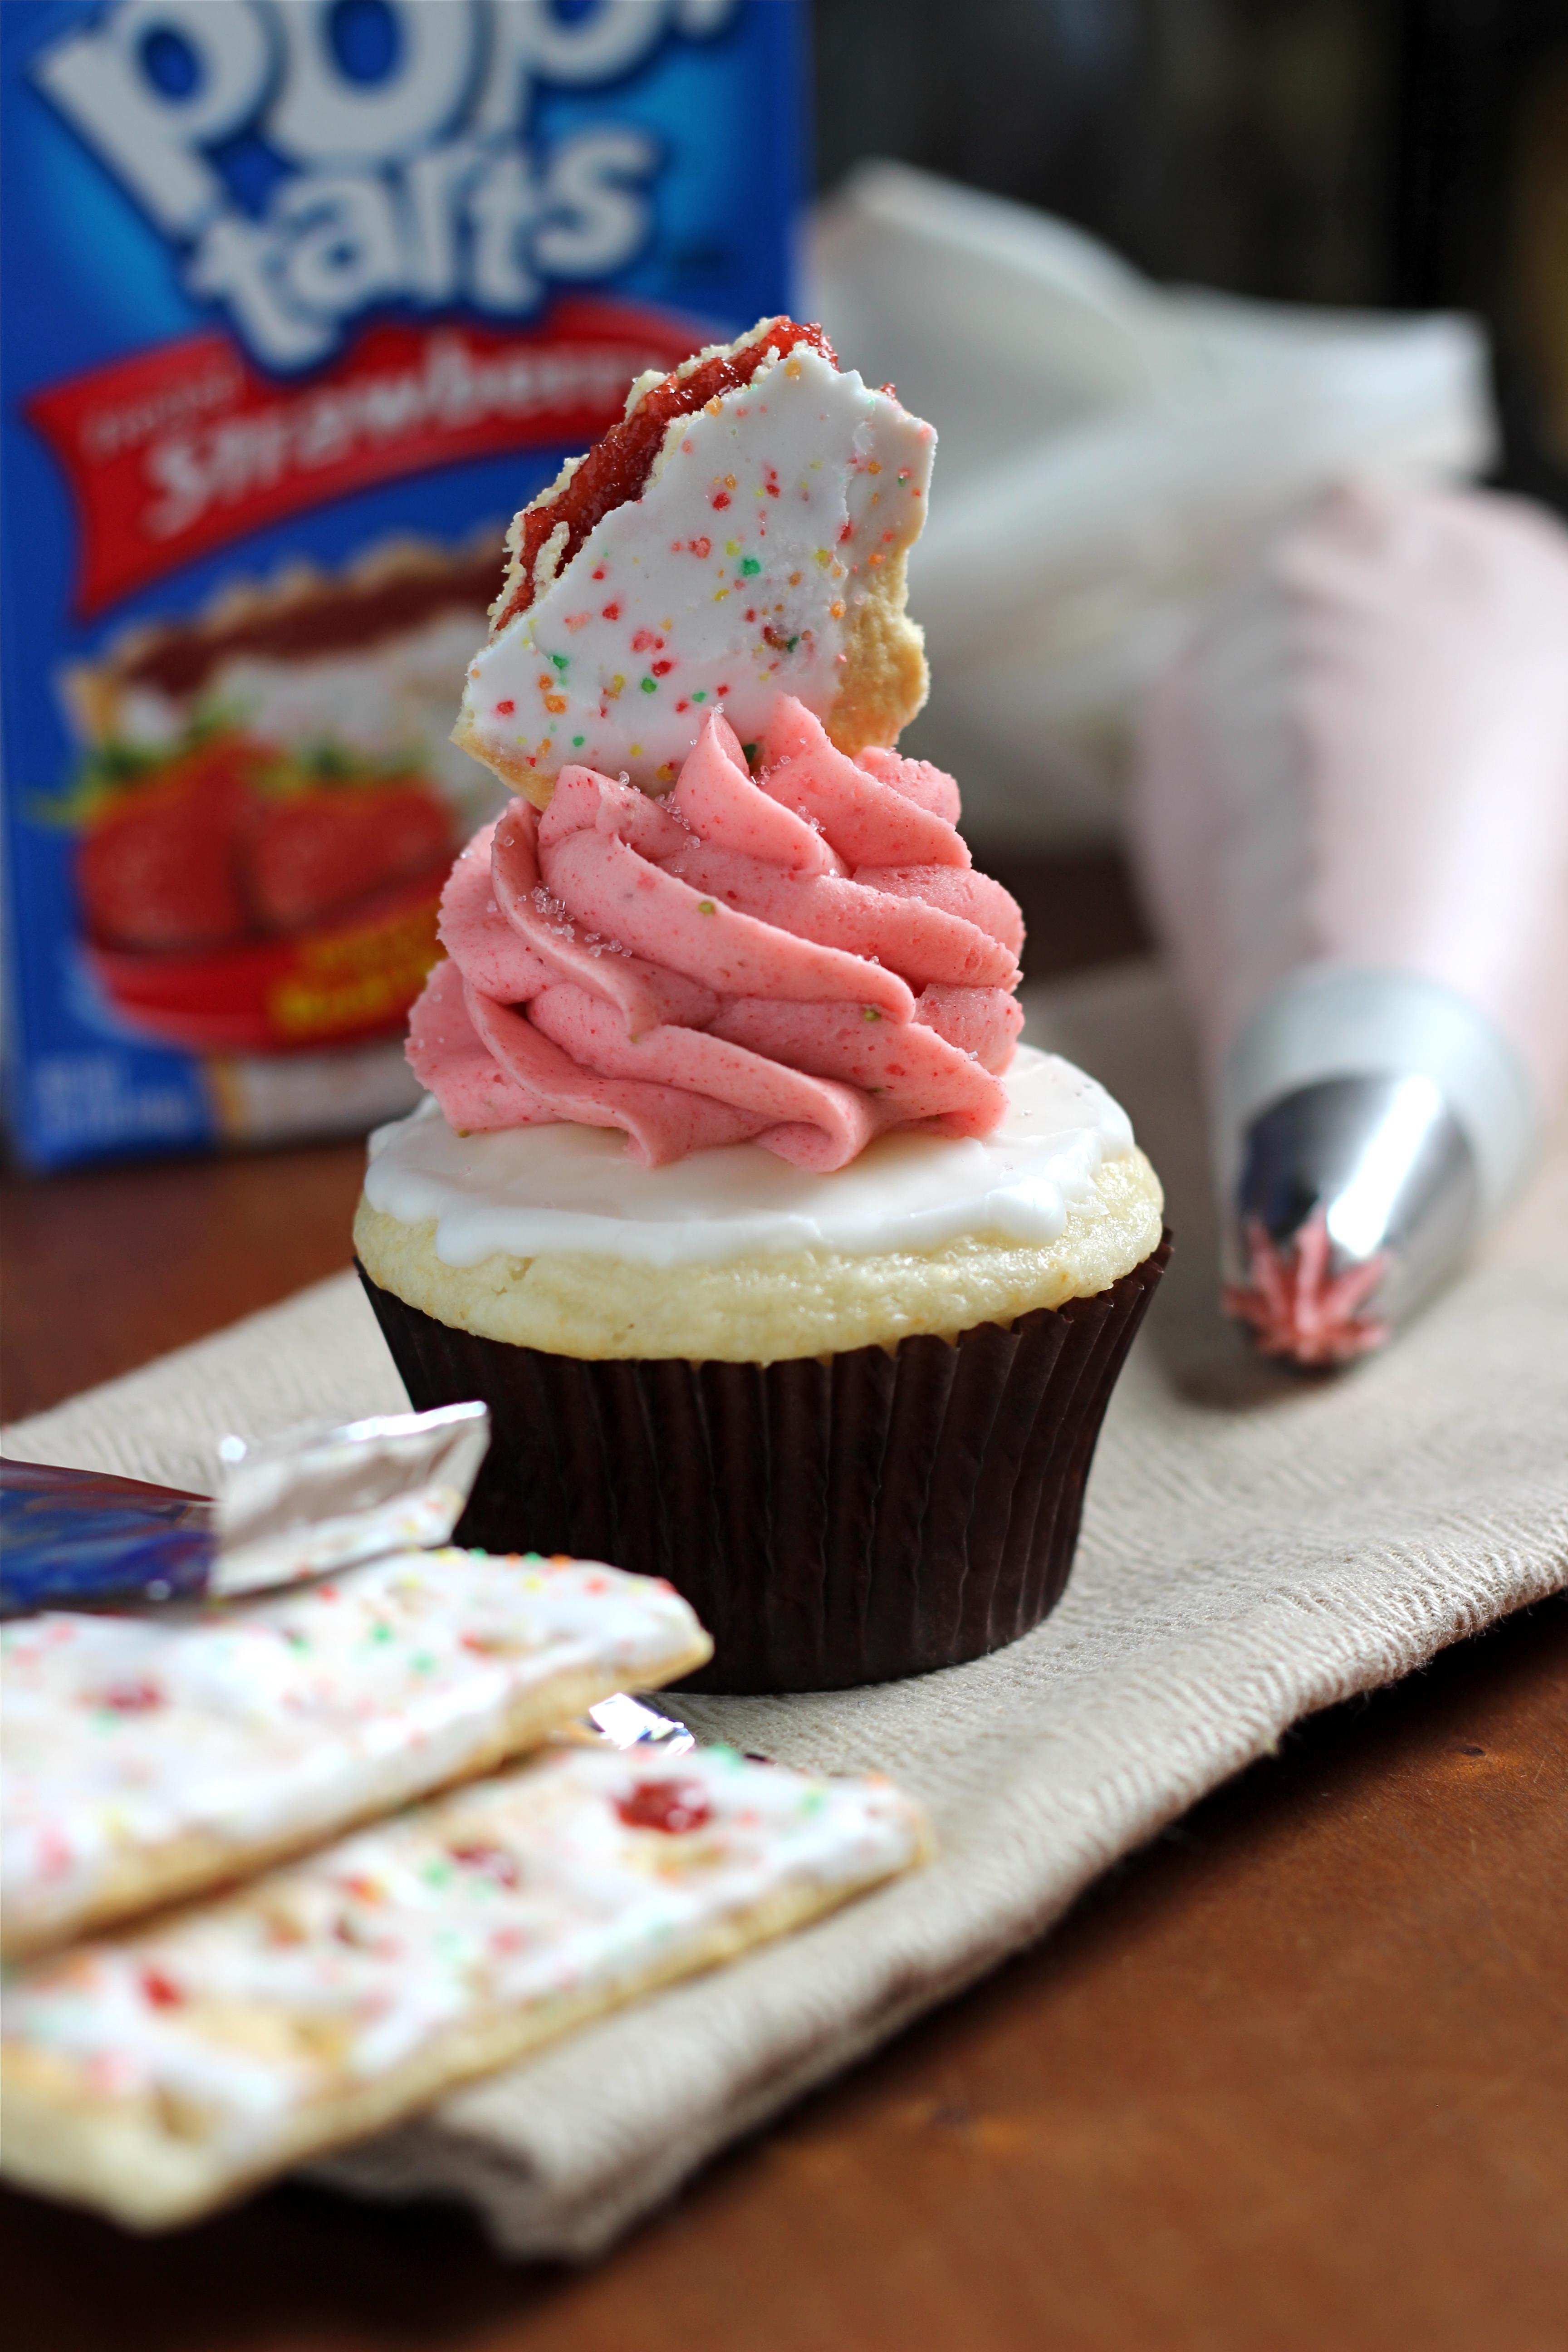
(1352, 820)
(805, 958)
(1366, 763)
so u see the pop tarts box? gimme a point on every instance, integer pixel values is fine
(303, 298)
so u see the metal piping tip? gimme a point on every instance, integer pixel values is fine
(1356, 1200)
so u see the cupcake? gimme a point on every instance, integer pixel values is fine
(786, 1271)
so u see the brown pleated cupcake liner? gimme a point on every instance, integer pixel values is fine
(832, 1522)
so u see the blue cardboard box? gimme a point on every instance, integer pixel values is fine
(303, 298)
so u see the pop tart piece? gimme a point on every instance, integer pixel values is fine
(155, 2074)
(149, 1756)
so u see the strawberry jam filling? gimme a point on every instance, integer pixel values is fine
(616, 469)
(673, 1806)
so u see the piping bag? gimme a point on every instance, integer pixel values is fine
(1351, 825)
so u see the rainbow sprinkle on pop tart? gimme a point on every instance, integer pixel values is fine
(763, 557)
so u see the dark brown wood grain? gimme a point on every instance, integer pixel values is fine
(104, 1267)
(1296, 2076)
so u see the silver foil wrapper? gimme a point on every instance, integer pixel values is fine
(306, 1503)
(318, 1498)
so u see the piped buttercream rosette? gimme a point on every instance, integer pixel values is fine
(804, 956)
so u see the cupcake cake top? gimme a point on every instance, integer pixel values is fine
(741, 916)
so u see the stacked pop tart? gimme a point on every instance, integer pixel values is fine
(279, 1868)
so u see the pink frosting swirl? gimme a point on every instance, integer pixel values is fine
(805, 958)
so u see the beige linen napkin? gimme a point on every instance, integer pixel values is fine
(1255, 1544)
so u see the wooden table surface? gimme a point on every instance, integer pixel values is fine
(1297, 2074)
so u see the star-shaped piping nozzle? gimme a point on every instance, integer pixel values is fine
(1296, 1305)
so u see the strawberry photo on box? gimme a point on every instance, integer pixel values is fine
(234, 896)
(268, 803)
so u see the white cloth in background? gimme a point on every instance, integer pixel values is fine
(1110, 449)
(1255, 1544)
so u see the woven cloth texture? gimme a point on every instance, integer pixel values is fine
(1255, 1544)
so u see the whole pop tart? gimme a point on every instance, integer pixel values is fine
(785, 1271)
(163, 2070)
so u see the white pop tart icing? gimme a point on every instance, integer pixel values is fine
(262, 1723)
(526, 1192)
(732, 579)
(156, 2072)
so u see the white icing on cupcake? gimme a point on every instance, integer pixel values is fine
(526, 1192)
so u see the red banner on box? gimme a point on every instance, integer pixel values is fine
(186, 447)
